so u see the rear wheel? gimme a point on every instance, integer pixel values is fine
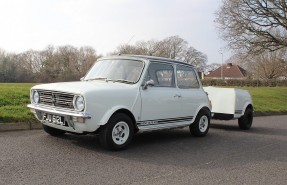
(245, 121)
(201, 124)
(53, 131)
(117, 133)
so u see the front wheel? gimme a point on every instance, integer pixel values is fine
(245, 121)
(117, 133)
(201, 124)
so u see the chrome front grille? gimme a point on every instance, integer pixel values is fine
(56, 99)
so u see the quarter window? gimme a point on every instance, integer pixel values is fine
(186, 77)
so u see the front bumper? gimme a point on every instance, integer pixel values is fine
(60, 112)
(77, 122)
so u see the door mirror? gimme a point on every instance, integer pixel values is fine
(148, 83)
(82, 79)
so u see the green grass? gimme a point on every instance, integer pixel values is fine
(14, 98)
(268, 99)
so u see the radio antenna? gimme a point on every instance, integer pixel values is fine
(130, 39)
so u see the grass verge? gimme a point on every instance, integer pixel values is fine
(14, 98)
(269, 99)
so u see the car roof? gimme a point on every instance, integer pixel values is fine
(147, 58)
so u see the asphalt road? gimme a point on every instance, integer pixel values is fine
(226, 155)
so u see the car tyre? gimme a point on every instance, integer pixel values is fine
(53, 131)
(201, 124)
(245, 121)
(117, 133)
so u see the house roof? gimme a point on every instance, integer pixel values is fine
(229, 71)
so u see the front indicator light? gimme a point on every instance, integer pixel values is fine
(79, 119)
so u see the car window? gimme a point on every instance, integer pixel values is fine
(186, 77)
(116, 70)
(162, 74)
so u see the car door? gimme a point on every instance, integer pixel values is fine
(189, 88)
(160, 102)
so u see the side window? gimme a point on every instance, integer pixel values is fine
(186, 77)
(162, 74)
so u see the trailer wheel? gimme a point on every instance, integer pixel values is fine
(245, 121)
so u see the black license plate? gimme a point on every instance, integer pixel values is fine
(55, 119)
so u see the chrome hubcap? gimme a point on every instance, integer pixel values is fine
(203, 123)
(120, 133)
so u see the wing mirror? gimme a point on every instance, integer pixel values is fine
(148, 83)
(82, 79)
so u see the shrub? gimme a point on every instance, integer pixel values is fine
(245, 83)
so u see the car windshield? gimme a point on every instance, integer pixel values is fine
(117, 70)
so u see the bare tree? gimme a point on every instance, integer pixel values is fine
(11, 69)
(127, 49)
(241, 59)
(265, 66)
(253, 25)
(5, 67)
(270, 65)
(195, 58)
(87, 56)
(172, 47)
(63, 63)
(50, 70)
(31, 61)
(212, 67)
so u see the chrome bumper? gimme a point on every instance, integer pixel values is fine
(59, 112)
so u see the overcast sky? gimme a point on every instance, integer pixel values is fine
(105, 24)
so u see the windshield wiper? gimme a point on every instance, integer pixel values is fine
(98, 78)
(121, 80)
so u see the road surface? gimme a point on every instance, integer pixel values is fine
(226, 155)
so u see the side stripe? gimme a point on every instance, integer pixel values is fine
(164, 121)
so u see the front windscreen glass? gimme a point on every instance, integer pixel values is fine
(118, 70)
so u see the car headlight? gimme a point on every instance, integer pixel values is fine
(35, 97)
(79, 103)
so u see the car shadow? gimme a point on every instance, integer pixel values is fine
(227, 127)
(178, 147)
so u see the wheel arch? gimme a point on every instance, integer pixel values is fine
(108, 116)
(245, 121)
(250, 106)
(247, 105)
(196, 127)
(204, 108)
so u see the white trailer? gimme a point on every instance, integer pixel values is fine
(231, 103)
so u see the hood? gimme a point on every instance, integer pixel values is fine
(82, 87)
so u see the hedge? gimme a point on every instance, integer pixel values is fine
(245, 83)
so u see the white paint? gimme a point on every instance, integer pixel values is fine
(104, 98)
(228, 100)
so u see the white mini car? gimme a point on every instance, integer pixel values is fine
(123, 95)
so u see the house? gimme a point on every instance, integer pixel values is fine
(228, 71)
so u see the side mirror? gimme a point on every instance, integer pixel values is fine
(82, 79)
(148, 83)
